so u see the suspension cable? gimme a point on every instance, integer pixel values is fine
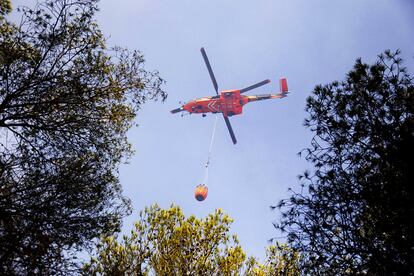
(205, 180)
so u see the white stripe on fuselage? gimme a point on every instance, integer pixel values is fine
(214, 106)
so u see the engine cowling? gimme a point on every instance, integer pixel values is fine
(231, 102)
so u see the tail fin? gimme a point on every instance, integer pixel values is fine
(283, 86)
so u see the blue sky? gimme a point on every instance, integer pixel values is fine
(309, 42)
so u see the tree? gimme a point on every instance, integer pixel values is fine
(354, 212)
(66, 103)
(5, 8)
(164, 242)
(280, 260)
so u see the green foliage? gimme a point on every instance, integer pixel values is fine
(66, 103)
(5, 8)
(280, 260)
(164, 242)
(356, 215)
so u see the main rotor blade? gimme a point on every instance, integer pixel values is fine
(230, 129)
(254, 86)
(213, 78)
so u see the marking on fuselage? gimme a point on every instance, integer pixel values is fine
(213, 106)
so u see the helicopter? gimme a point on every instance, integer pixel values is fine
(228, 102)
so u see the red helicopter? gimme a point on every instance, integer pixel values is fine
(228, 102)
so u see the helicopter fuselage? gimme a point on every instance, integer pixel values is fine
(229, 102)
